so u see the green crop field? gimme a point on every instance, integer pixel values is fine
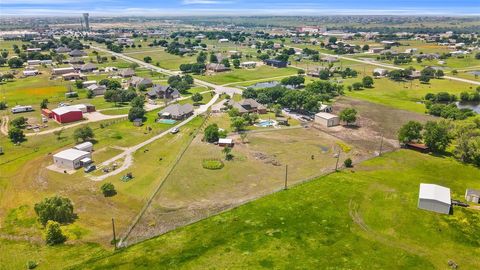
(241, 75)
(365, 218)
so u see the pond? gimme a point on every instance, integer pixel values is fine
(473, 106)
(476, 72)
(270, 84)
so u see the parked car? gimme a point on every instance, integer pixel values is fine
(174, 130)
(90, 168)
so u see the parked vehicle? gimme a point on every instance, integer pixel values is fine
(174, 130)
(20, 109)
(90, 168)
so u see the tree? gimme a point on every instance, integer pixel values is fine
(15, 62)
(367, 81)
(365, 47)
(53, 234)
(237, 123)
(138, 101)
(147, 59)
(19, 122)
(357, 86)
(411, 131)
(58, 133)
(3, 105)
(236, 63)
(228, 153)
(225, 62)
(439, 73)
(436, 135)
(202, 57)
(108, 190)
(4, 54)
(249, 93)
(348, 115)
(197, 97)
(211, 133)
(90, 94)
(332, 40)
(55, 208)
(16, 135)
(135, 113)
(44, 104)
(83, 133)
(424, 78)
(213, 58)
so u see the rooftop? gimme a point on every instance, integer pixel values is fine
(71, 154)
(435, 193)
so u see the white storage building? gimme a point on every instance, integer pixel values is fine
(86, 146)
(71, 158)
(434, 198)
(327, 119)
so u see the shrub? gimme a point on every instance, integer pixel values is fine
(31, 264)
(108, 190)
(53, 234)
(348, 163)
(212, 164)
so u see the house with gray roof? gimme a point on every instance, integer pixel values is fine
(127, 72)
(97, 89)
(62, 50)
(77, 53)
(137, 81)
(176, 111)
(162, 91)
(249, 105)
(472, 195)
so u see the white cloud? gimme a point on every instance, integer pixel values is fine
(205, 2)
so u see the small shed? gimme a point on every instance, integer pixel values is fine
(86, 146)
(434, 198)
(225, 142)
(327, 119)
(138, 122)
(472, 195)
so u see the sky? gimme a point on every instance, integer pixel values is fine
(237, 7)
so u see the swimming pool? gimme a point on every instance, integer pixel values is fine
(266, 123)
(167, 121)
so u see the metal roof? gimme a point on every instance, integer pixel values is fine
(66, 109)
(71, 154)
(83, 145)
(435, 193)
(325, 115)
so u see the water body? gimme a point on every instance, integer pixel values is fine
(476, 72)
(270, 84)
(473, 106)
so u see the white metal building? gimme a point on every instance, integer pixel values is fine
(472, 195)
(70, 158)
(86, 146)
(434, 198)
(327, 119)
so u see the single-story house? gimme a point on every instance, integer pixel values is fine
(225, 142)
(33, 62)
(177, 111)
(375, 50)
(76, 60)
(127, 72)
(223, 40)
(89, 67)
(248, 64)
(327, 119)
(77, 53)
(215, 67)
(275, 63)
(97, 89)
(326, 108)
(137, 81)
(62, 50)
(88, 83)
(282, 120)
(86, 146)
(434, 198)
(329, 59)
(162, 91)
(71, 158)
(73, 76)
(34, 49)
(61, 71)
(67, 114)
(472, 195)
(249, 105)
(30, 72)
(415, 74)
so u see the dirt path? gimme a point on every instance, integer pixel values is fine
(4, 125)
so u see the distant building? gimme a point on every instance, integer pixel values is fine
(275, 63)
(327, 119)
(380, 72)
(125, 73)
(225, 142)
(67, 114)
(61, 71)
(216, 67)
(472, 195)
(137, 81)
(97, 90)
(77, 53)
(434, 198)
(86, 21)
(30, 72)
(161, 91)
(86, 146)
(177, 111)
(248, 64)
(249, 106)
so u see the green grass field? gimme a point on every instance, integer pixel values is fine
(365, 218)
(165, 60)
(241, 75)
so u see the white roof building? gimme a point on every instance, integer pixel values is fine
(225, 141)
(86, 146)
(65, 109)
(434, 198)
(71, 158)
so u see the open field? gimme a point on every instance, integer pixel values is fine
(258, 168)
(331, 222)
(239, 75)
(165, 60)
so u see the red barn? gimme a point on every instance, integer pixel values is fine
(67, 114)
(47, 113)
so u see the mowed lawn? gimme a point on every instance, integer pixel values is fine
(365, 218)
(241, 75)
(164, 59)
(406, 95)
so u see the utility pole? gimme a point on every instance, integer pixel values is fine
(381, 146)
(338, 158)
(286, 177)
(114, 235)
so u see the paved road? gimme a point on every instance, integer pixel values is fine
(127, 154)
(387, 66)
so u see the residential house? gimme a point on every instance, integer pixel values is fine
(215, 67)
(89, 67)
(327, 119)
(275, 63)
(62, 50)
(249, 106)
(77, 53)
(97, 89)
(161, 91)
(126, 73)
(177, 111)
(61, 71)
(472, 195)
(137, 81)
(248, 64)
